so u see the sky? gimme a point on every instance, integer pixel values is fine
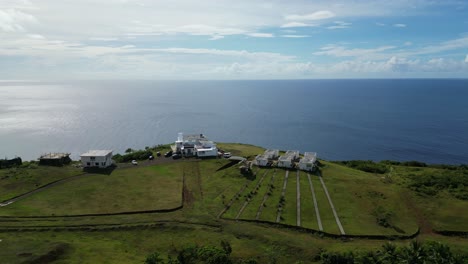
(242, 39)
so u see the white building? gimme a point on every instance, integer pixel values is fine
(96, 159)
(307, 163)
(268, 155)
(195, 145)
(287, 160)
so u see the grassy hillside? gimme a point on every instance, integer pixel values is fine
(366, 203)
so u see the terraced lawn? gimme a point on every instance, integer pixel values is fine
(308, 216)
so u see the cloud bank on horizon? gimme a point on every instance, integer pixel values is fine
(244, 39)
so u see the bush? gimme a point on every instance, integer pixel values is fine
(136, 155)
(365, 165)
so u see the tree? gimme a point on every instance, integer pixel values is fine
(154, 258)
(129, 150)
(414, 254)
(389, 253)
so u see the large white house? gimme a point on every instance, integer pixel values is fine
(96, 159)
(195, 145)
(307, 163)
(268, 155)
(287, 160)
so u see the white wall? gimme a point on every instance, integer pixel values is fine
(98, 161)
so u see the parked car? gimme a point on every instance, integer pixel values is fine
(227, 154)
(176, 156)
(168, 154)
(134, 162)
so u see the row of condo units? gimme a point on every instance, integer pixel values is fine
(290, 159)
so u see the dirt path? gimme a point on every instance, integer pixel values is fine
(298, 200)
(317, 213)
(248, 200)
(425, 226)
(278, 216)
(331, 205)
(265, 197)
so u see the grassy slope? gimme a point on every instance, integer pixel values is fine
(131, 189)
(247, 239)
(271, 210)
(16, 181)
(308, 216)
(356, 195)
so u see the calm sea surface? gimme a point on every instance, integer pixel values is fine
(424, 120)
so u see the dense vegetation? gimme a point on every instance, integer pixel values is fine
(365, 165)
(197, 254)
(431, 184)
(384, 165)
(414, 253)
(135, 155)
(434, 179)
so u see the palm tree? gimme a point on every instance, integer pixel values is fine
(439, 253)
(414, 253)
(389, 253)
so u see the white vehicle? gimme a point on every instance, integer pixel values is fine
(227, 154)
(134, 162)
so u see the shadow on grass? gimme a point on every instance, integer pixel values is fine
(105, 171)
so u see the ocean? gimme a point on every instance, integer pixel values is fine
(414, 119)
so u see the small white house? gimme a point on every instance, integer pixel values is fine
(287, 160)
(307, 163)
(263, 160)
(96, 159)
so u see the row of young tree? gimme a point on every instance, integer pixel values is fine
(414, 253)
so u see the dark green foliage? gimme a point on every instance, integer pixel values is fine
(338, 258)
(203, 254)
(4, 163)
(383, 217)
(414, 253)
(431, 184)
(136, 155)
(154, 258)
(365, 165)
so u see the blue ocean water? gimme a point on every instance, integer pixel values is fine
(424, 120)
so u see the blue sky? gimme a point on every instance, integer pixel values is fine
(243, 39)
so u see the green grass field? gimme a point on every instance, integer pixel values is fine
(130, 189)
(16, 181)
(359, 198)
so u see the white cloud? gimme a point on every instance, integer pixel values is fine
(399, 25)
(380, 24)
(408, 43)
(339, 25)
(216, 37)
(295, 36)
(443, 46)
(260, 35)
(103, 39)
(12, 20)
(340, 51)
(319, 15)
(296, 24)
(466, 58)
